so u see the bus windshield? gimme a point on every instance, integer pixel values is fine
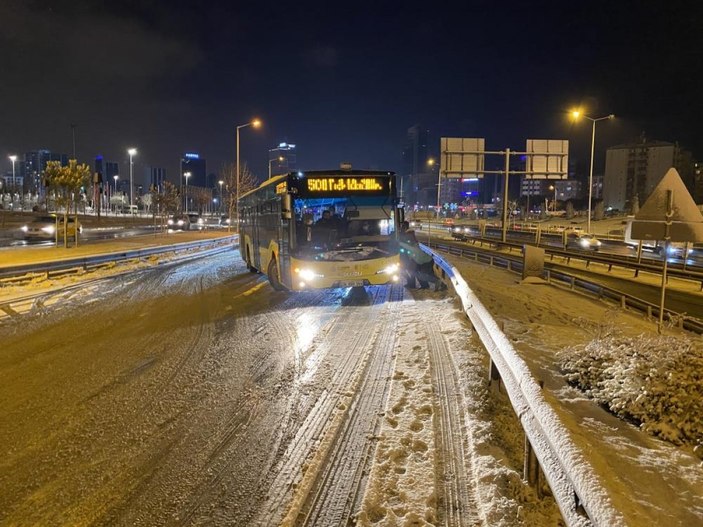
(344, 228)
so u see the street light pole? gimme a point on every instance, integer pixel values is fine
(255, 123)
(221, 182)
(576, 114)
(115, 178)
(13, 158)
(186, 175)
(279, 158)
(132, 152)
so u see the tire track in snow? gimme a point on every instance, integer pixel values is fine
(459, 504)
(344, 351)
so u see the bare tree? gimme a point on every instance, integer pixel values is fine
(166, 201)
(247, 182)
(201, 196)
(569, 210)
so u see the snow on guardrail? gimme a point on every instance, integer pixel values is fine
(573, 482)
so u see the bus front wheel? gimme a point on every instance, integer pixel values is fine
(274, 277)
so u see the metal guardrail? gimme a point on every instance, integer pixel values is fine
(628, 262)
(624, 300)
(54, 268)
(580, 498)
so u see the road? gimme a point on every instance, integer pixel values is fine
(193, 394)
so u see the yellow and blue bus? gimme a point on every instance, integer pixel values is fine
(322, 229)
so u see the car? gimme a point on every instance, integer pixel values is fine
(582, 241)
(45, 228)
(195, 221)
(179, 222)
(224, 221)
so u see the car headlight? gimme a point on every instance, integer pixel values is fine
(457, 229)
(180, 223)
(50, 229)
(24, 228)
(391, 269)
(170, 222)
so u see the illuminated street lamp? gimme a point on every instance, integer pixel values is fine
(13, 158)
(554, 188)
(576, 114)
(132, 152)
(186, 175)
(279, 158)
(256, 124)
(430, 163)
(115, 178)
(221, 182)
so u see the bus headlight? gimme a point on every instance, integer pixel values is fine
(391, 269)
(308, 274)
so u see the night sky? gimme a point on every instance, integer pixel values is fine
(343, 80)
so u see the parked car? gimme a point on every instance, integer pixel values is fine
(585, 242)
(44, 228)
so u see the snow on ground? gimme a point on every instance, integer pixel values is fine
(402, 487)
(649, 481)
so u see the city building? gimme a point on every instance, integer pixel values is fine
(418, 179)
(155, 178)
(196, 166)
(282, 159)
(34, 166)
(633, 170)
(108, 170)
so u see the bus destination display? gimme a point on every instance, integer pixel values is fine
(362, 185)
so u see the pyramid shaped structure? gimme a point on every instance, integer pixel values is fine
(686, 222)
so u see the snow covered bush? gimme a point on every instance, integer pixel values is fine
(655, 381)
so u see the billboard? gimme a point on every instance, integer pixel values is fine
(547, 159)
(462, 157)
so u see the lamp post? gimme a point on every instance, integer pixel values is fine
(431, 163)
(576, 114)
(13, 158)
(279, 158)
(115, 178)
(132, 152)
(186, 175)
(554, 188)
(256, 124)
(221, 182)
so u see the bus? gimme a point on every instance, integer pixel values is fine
(282, 232)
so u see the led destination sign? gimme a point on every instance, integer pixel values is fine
(345, 185)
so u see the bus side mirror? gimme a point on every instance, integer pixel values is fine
(286, 212)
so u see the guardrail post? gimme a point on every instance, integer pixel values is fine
(623, 301)
(493, 375)
(531, 467)
(649, 311)
(573, 282)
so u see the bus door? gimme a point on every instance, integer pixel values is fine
(284, 220)
(255, 236)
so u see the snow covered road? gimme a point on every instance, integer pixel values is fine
(193, 394)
